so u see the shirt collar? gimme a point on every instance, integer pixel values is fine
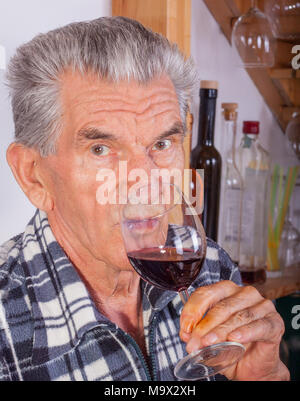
(61, 306)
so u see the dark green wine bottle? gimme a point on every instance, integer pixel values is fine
(205, 156)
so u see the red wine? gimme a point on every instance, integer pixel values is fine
(205, 156)
(255, 276)
(165, 268)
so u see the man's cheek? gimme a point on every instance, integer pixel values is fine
(113, 249)
(173, 159)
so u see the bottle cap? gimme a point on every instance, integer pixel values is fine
(229, 106)
(230, 112)
(251, 127)
(209, 85)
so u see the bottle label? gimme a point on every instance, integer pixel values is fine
(247, 142)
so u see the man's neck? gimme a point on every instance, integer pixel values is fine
(115, 292)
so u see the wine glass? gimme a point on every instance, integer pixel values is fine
(166, 245)
(253, 39)
(284, 15)
(288, 253)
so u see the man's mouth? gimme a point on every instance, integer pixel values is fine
(142, 226)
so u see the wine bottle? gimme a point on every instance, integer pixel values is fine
(231, 186)
(205, 156)
(254, 164)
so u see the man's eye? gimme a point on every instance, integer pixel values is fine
(162, 145)
(100, 150)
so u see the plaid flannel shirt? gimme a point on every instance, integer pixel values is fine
(50, 328)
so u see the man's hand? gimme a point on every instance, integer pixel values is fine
(238, 314)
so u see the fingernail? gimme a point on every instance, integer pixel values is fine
(210, 339)
(187, 325)
(193, 344)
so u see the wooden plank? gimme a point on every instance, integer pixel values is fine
(290, 91)
(178, 26)
(170, 18)
(281, 286)
(178, 30)
(283, 54)
(151, 13)
(288, 85)
(286, 90)
(296, 92)
(281, 73)
(287, 112)
(222, 14)
(269, 92)
(244, 5)
(234, 7)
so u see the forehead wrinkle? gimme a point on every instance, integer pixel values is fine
(74, 86)
(119, 102)
(143, 113)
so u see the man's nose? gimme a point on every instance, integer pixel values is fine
(140, 164)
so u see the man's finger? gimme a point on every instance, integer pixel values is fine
(203, 299)
(240, 318)
(270, 329)
(239, 303)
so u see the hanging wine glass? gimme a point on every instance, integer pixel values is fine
(285, 16)
(253, 40)
(288, 253)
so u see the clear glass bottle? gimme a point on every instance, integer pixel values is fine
(231, 193)
(254, 164)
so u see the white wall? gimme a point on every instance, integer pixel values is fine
(216, 60)
(21, 20)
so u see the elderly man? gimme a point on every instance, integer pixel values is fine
(85, 97)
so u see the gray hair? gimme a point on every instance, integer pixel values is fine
(115, 48)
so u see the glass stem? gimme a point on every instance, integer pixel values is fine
(184, 295)
(253, 3)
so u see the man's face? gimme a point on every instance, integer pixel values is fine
(103, 124)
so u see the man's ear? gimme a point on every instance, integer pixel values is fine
(24, 163)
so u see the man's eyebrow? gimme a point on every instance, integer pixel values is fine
(93, 133)
(176, 128)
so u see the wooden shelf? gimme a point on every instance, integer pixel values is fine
(287, 112)
(279, 86)
(282, 286)
(282, 73)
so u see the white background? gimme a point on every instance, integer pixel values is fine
(21, 20)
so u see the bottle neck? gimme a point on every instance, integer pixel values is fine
(249, 140)
(230, 139)
(207, 112)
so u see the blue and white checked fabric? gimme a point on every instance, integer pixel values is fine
(50, 328)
